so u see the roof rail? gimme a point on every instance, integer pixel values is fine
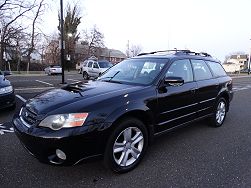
(178, 52)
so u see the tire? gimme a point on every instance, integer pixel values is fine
(85, 76)
(131, 138)
(219, 114)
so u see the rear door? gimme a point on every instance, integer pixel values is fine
(89, 68)
(208, 87)
(177, 104)
(95, 69)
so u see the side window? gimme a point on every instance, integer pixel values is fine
(181, 68)
(90, 64)
(95, 65)
(216, 68)
(201, 70)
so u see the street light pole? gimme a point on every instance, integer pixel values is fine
(68, 59)
(62, 39)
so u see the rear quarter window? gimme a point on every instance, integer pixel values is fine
(216, 68)
(201, 70)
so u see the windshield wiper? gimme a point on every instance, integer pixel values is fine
(110, 78)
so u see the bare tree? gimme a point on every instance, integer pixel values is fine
(38, 13)
(133, 50)
(52, 51)
(95, 40)
(10, 12)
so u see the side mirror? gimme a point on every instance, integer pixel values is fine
(174, 81)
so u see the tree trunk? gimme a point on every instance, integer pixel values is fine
(1, 57)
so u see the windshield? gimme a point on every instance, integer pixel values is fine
(134, 71)
(104, 64)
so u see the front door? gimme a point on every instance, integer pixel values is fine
(177, 104)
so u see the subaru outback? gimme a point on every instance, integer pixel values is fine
(118, 114)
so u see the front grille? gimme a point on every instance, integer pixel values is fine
(28, 116)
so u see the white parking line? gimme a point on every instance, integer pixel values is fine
(21, 98)
(44, 82)
(33, 88)
(73, 80)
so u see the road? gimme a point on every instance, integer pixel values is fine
(194, 156)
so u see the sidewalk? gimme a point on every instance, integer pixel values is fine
(38, 73)
(239, 75)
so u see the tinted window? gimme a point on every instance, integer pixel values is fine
(95, 65)
(104, 64)
(201, 70)
(181, 68)
(134, 71)
(216, 68)
(90, 64)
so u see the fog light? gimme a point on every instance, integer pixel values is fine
(60, 154)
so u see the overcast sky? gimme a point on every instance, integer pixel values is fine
(218, 27)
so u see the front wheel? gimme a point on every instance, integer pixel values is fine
(126, 146)
(220, 112)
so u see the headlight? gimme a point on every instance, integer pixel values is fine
(7, 89)
(56, 122)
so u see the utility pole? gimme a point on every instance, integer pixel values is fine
(62, 39)
(249, 60)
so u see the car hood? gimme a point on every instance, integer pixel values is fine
(80, 95)
(4, 82)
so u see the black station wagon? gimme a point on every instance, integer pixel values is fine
(118, 114)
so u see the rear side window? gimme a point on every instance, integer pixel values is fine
(201, 70)
(216, 68)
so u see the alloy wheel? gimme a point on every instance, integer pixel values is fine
(221, 112)
(128, 146)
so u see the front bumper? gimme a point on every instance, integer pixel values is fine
(7, 100)
(43, 143)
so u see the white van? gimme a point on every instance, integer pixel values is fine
(231, 67)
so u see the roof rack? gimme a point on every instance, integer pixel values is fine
(178, 52)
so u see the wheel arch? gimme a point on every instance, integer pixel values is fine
(145, 117)
(225, 95)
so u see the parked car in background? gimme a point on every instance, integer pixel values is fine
(78, 67)
(53, 69)
(7, 95)
(231, 67)
(119, 113)
(92, 68)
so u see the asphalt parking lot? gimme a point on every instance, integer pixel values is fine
(194, 156)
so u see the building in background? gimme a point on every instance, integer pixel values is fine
(236, 64)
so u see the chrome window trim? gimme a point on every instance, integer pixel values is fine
(207, 100)
(180, 108)
(177, 118)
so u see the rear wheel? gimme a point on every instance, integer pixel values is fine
(85, 76)
(220, 112)
(126, 146)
